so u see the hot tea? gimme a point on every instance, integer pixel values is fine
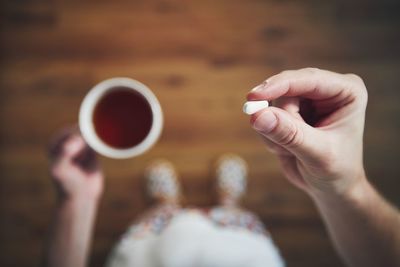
(122, 118)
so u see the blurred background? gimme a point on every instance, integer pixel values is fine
(200, 58)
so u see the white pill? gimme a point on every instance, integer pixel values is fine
(251, 107)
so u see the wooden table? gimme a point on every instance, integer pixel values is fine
(200, 58)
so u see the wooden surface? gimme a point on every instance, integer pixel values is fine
(200, 58)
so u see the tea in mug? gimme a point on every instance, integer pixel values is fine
(122, 118)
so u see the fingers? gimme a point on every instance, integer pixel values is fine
(311, 83)
(275, 148)
(78, 153)
(65, 144)
(284, 130)
(290, 104)
(73, 146)
(56, 146)
(284, 125)
(315, 125)
(86, 159)
(69, 149)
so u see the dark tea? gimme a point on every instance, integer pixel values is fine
(122, 118)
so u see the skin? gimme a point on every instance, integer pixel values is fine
(315, 128)
(79, 184)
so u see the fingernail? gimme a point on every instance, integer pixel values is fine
(259, 87)
(266, 122)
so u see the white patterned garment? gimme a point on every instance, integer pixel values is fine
(192, 240)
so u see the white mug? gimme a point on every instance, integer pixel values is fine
(87, 126)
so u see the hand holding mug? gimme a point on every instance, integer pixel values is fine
(74, 167)
(119, 118)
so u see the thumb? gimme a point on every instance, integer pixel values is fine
(293, 134)
(70, 149)
(73, 146)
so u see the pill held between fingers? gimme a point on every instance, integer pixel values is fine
(251, 107)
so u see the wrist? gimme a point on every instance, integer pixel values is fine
(77, 210)
(79, 201)
(353, 191)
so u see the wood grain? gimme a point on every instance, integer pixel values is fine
(200, 58)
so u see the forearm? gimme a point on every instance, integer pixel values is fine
(364, 227)
(71, 235)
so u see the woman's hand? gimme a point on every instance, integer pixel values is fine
(315, 127)
(74, 167)
(79, 181)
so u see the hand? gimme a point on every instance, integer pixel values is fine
(315, 127)
(74, 167)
